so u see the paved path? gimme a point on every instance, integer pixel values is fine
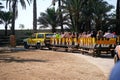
(105, 63)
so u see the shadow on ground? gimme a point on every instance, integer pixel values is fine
(8, 59)
(19, 49)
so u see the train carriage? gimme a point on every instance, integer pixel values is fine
(90, 45)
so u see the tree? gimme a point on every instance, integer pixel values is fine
(21, 26)
(101, 13)
(73, 9)
(83, 12)
(60, 13)
(6, 18)
(1, 6)
(13, 4)
(49, 18)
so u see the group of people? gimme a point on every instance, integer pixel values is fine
(98, 34)
(65, 35)
(107, 34)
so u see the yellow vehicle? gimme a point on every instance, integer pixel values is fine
(38, 40)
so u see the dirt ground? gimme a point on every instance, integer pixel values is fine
(47, 65)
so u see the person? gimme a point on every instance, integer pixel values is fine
(117, 53)
(83, 34)
(108, 34)
(58, 36)
(99, 34)
(54, 35)
(115, 73)
(114, 33)
(94, 33)
(72, 35)
(67, 35)
(62, 34)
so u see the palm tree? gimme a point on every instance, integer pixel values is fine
(101, 13)
(1, 6)
(92, 10)
(22, 26)
(81, 13)
(73, 9)
(49, 18)
(6, 18)
(118, 17)
(34, 16)
(60, 12)
(13, 4)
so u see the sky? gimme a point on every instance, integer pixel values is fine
(25, 17)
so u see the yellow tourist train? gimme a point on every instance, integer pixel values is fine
(93, 46)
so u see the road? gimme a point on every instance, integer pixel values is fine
(105, 62)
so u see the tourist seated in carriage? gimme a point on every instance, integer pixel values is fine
(108, 34)
(99, 34)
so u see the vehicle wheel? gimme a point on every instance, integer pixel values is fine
(116, 58)
(54, 49)
(94, 54)
(98, 53)
(49, 48)
(66, 50)
(112, 53)
(38, 46)
(26, 46)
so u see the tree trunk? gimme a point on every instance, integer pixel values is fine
(12, 36)
(118, 17)
(73, 26)
(88, 25)
(6, 29)
(53, 29)
(13, 18)
(60, 14)
(77, 23)
(34, 16)
(12, 41)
